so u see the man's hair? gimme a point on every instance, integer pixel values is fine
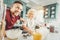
(18, 2)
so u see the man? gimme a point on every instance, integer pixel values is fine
(12, 15)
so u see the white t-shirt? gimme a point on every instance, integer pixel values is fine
(30, 23)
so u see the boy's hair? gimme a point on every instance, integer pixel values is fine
(18, 2)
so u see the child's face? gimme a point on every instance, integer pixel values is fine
(31, 14)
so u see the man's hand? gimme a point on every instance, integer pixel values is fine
(23, 20)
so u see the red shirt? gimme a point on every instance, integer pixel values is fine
(10, 20)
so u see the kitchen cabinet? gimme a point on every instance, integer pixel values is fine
(50, 11)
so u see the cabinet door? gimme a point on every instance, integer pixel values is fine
(46, 12)
(50, 11)
(53, 11)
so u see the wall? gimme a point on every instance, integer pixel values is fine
(56, 23)
(58, 14)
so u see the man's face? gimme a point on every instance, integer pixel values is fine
(16, 9)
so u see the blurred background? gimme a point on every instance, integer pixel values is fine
(46, 11)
